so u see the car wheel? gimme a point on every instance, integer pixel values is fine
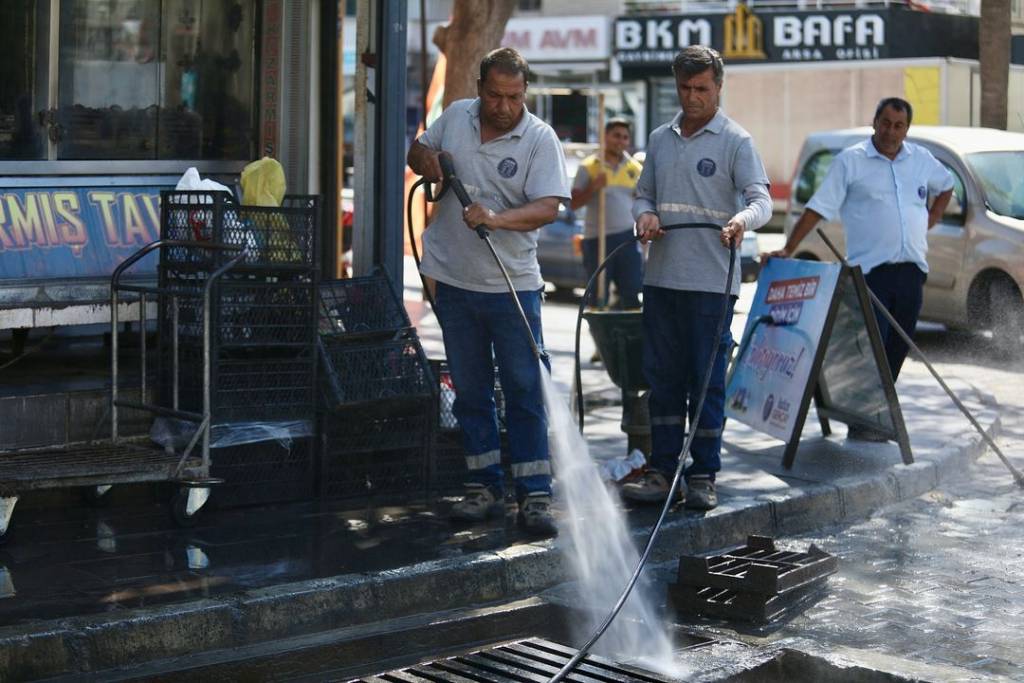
(1006, 309)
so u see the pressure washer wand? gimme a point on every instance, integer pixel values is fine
(568, 667)
(1017, 476)
(452, 181)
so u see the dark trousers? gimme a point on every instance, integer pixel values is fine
(899, 286)
(679, 337)
(481, 328)
(626, 270)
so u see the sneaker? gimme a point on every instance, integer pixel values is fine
(479, 503)
(700, 494)
(858, 433)
(650, 487)
(535, 515)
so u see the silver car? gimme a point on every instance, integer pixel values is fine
(976, 252)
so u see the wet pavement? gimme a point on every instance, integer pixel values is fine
(75, 560)
(937, 579)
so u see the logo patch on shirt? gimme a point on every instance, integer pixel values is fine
(507, 167)
(706, 167)
(922, 192)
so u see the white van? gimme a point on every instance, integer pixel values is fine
(976, 253)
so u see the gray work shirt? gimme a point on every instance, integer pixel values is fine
(521, 166)
(708, 177)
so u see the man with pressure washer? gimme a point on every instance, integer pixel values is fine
(880, 188)
(700, 167)
(514, 172)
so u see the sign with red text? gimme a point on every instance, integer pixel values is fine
(780, 343)
(559, 39)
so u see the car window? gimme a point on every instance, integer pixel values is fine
(812, 174)
(956, 210)
(1001, 176)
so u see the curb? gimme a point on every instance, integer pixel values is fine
(83, 645)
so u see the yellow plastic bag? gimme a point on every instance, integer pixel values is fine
(263, 183)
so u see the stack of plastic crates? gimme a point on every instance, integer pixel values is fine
(378, 396)
(263, 359)
(449, 463)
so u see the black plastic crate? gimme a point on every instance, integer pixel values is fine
(246, 384)
(362, 308)
(250, 311)
(264, 472)
(393, 371)
(282, 238)
(370, 453)
(264, 387)
(446, 420)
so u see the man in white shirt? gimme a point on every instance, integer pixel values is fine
(880, 188)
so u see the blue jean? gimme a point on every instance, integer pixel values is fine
(480, 329)
(900, 288)
(679, 331)
(626, 270)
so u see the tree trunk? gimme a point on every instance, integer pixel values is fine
(476, 28)
(994, 57)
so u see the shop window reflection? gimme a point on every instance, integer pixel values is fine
(140, 83)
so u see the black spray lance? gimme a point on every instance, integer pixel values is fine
(452, 181)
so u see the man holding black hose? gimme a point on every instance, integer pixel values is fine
(701, 167)
(513, 168)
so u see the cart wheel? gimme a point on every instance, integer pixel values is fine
(179, 509)
(96, 496)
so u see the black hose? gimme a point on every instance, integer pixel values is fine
(588, 292)
(412, 235)
(582, 652)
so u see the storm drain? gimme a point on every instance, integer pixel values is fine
(526, 661)
(757, 582)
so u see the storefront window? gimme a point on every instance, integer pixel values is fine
(21, 130)
(136, 79)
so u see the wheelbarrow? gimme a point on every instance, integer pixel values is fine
(619, 338)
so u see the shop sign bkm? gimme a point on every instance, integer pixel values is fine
(755, 37)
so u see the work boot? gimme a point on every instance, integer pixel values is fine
(479, 503)
(700, 493)
(858, 433)
(535, 515)
(650, 487)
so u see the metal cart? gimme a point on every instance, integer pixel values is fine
(121, 460)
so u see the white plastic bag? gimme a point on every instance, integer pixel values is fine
(191, 181)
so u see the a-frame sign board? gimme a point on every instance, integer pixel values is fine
(811, 334)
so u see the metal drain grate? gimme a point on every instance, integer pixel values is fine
(527, 661)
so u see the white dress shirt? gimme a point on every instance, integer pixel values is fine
(882, 202)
